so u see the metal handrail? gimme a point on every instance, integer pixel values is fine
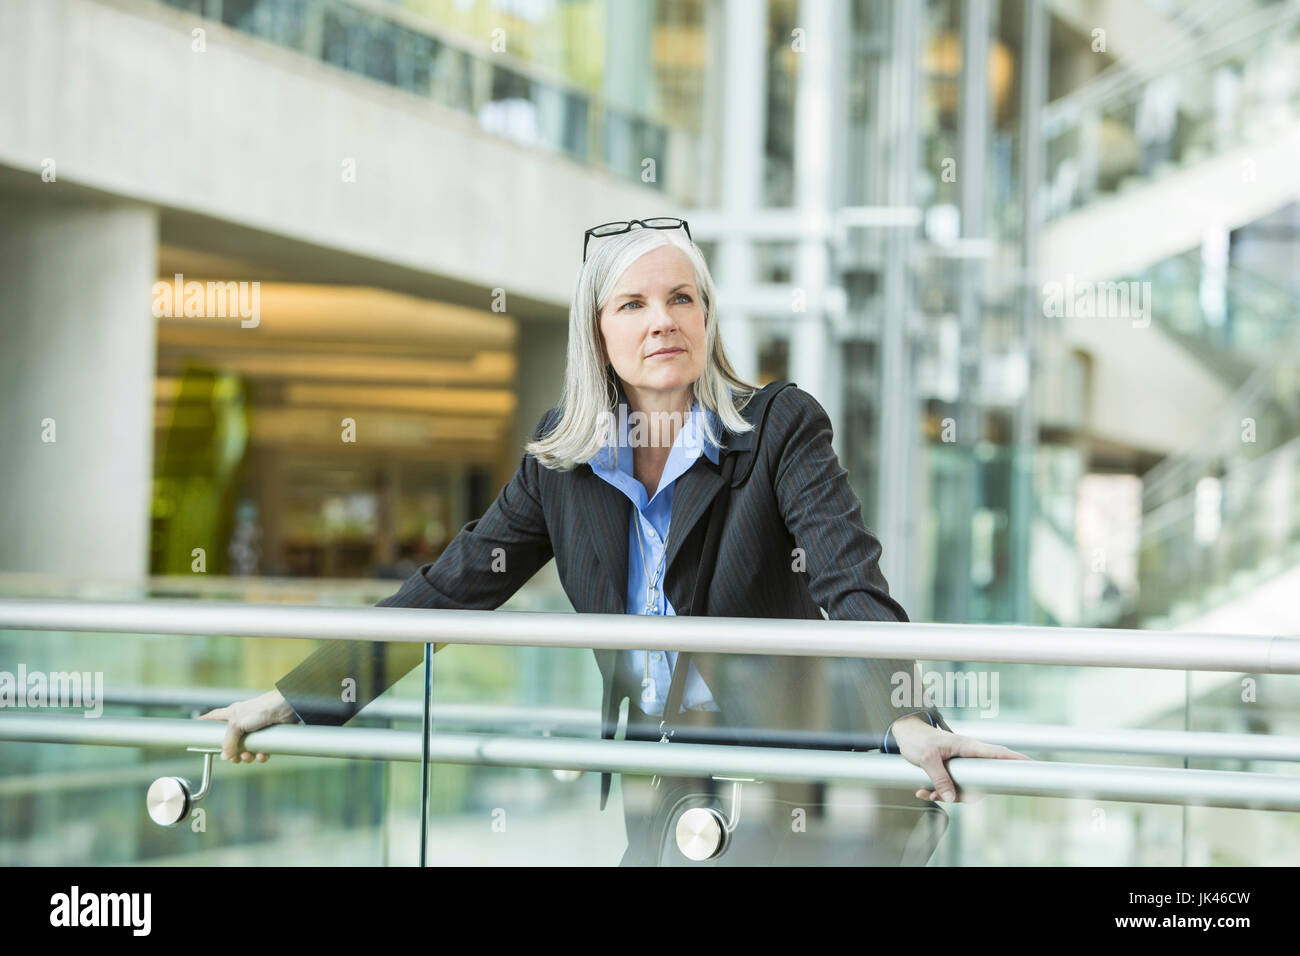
(1212, 788)
(1068, 646)
(1057, 738)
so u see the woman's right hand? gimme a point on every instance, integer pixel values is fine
(244, 717)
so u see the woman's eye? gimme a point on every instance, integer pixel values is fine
(679, 295)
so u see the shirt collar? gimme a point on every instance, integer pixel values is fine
(690, 443)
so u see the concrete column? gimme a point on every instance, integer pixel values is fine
(541, 348)
(77, 367)
(744, 81)
(628, 82)
(815, 355)
(973, 123)
(900, 473)
(1033, 96)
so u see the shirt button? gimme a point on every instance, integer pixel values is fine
(656, 656)
(652, 533)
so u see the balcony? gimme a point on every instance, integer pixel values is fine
(515, 747)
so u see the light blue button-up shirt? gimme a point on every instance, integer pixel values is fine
(647, 553)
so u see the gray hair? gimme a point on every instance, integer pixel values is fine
(590, 393)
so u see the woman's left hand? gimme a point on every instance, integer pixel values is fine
(929, 747)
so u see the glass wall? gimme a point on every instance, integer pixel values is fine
(526, 71)
(78, 805)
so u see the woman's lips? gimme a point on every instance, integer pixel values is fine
(666, 353)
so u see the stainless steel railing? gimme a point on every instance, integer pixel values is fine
(1019, 644)
(1084, 647)
(577, 721)
(1211, 788)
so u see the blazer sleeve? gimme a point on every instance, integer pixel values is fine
(488, 561)
(824, 515)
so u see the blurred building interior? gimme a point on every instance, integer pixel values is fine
(888, 192)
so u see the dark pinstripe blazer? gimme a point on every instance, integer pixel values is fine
(789, 492)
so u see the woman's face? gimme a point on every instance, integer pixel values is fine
(653, 324)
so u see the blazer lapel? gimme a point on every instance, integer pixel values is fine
(604, 516)
(603, 511)
(696, 489)
(693, 492)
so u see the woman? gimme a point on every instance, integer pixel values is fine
(617, 486)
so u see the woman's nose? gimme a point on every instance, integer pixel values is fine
(661, 320)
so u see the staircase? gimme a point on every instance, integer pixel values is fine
(1221, 517)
